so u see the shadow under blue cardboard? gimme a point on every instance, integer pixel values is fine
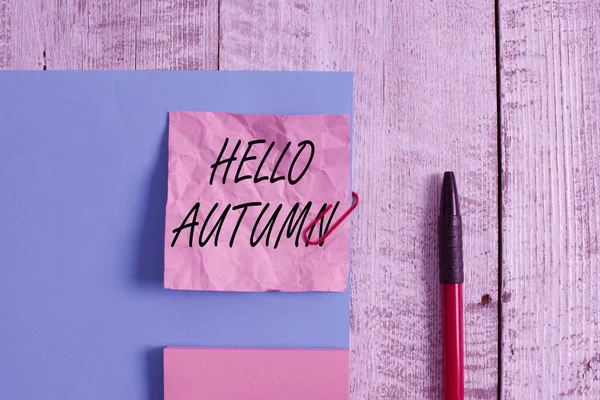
(150, 253)
(155, 373)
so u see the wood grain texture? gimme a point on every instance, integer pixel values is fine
(124, 34)
(550, 79)
(425, 102)
(178, 34)
(5, 34)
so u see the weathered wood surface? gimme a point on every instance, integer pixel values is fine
(120, 34)
(424, 102)
(550, 77)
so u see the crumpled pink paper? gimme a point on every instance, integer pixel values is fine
(195, 142)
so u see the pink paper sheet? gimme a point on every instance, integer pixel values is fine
(242, 262)
(193, 373)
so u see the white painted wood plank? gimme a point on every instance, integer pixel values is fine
(111, 34)
(108, 34)
(178, 34)
(550, 77)
(424, 102)
(6, 33)
(21, 34)
(59, 34)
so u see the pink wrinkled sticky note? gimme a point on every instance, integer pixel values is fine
(236, 224)
(193, 373)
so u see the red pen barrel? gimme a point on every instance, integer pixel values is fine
(452, 341)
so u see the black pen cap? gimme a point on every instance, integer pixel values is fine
(449, 205)
(450, 233)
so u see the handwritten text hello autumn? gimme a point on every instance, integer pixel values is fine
(266, 227)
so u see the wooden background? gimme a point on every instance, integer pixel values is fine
(432, 81)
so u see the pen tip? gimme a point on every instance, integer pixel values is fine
(449, 205)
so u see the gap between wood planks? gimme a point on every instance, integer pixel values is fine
(219, 34)
(499, 188)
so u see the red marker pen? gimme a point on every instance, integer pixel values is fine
(451, 280)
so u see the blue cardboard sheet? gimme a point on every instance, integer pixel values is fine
(83, 182)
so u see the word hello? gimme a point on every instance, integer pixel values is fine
(227, 162)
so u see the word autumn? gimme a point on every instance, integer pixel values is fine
(267, 225)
